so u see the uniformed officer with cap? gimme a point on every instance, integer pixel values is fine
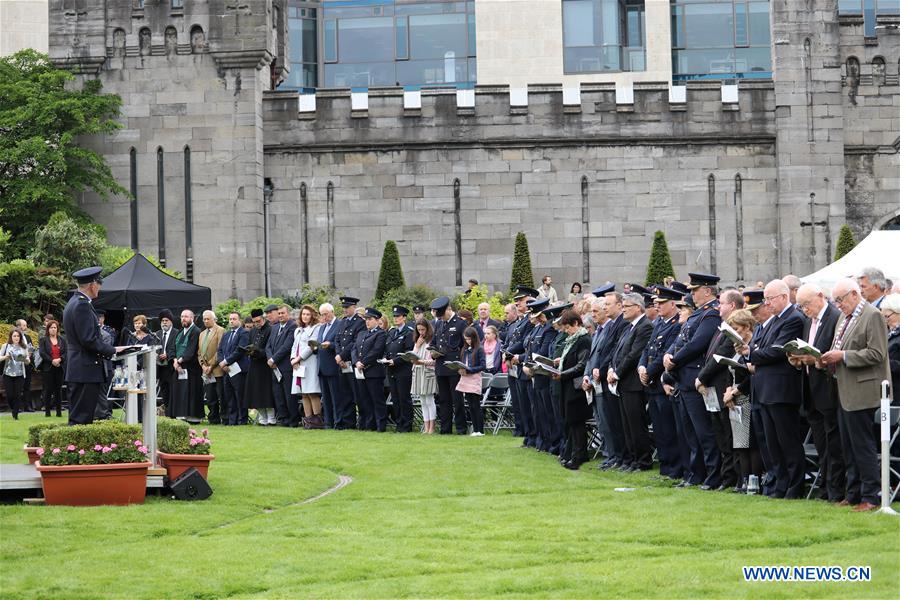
(519, 382)
(539, 341)
(399, 371)
(448, 331)
(421, 312)
(650, 370)
(685, 358)
(366, 352)
(556, 347)
(348, 329)
(85, 370)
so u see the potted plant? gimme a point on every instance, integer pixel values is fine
(33, 444)
(91, 465)
(180, 447)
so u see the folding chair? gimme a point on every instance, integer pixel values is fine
(812, 461)
(497, 402)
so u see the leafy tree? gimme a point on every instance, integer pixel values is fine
(521, 267)
(113, 257)
(845, 242)
(391, 275)
(312, 295)
(660, 265)
(29, 292)
(5, 236)
(41, 167)
(476, 296)
(222, 309)
(66, 244)
(408, 297)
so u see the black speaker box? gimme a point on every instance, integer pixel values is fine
(190, 485)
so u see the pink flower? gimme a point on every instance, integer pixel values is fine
(106, 449)
(192, 432)
(40, 452)
(205, 432)
(143, 450)
(81, 453)
(98, 447)
(113, 446)
(193, 442)
(71, 447)
(56, 451)
(137, 442)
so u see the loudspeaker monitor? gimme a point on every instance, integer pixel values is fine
(190, 485)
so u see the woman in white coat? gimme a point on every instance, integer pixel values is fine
(306, 368)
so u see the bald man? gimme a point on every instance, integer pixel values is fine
(820, 393)
(188, 380)
(779, 387)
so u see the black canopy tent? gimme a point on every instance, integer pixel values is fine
(138, 287)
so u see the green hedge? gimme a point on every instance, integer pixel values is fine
(172, 436)
(35, 431)
(103, 433)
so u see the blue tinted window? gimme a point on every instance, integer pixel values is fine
(603, 35)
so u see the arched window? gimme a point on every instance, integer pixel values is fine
(329, 213)
(304, 230)
(878, 70)
(188, 220)
(198, 40)
(144, 40)
(711, 198)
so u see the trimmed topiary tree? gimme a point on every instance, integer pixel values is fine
(521, 266)
(660, 264)
(845, 242)
(391, 275)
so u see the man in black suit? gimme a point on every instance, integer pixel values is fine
(366, 352)
(610, 408)
(228, 354)
(820, 393)
(164, 358)
(278, 357)
(484, 317)
(623, 374)
(779, 391)
(333, 401)
(85, 372)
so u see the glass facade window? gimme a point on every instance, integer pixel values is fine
(603, 36)
(303, 47)
(877, 7)
(367, 43)
(720, 39)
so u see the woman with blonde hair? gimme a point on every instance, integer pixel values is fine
(305, 363)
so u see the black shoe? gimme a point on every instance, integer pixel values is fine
(572, 465)
(610, 465)
(47, 414)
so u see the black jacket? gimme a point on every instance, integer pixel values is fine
(628, 354)
(47, 357)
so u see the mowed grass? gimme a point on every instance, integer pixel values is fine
(427, 517)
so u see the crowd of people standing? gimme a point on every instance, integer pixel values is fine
(718, 385)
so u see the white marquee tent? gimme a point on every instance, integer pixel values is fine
(880, 249)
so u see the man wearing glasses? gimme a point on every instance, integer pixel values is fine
(780, 392)
(858, 358)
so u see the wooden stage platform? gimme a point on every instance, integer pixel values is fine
(26, 477)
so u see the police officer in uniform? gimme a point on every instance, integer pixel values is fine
(348, 329)
(539, 342)
(85, 369)
(650, 369)
(685, 358)
(519, 383)
(366, 352)
(557, 338)
(104, 408)
(399, 371)
(448, 330)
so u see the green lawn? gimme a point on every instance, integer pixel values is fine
(427, 517)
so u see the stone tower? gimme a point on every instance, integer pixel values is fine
(191, 76)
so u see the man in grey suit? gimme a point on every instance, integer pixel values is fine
(820, 394)
(278, 357)
(858, 358)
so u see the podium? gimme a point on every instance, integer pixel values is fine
(132, 393)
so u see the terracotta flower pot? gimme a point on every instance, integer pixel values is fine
(176, 464)
(94, 485)
(31, 451)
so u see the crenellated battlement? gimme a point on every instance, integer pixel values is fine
(657, 113)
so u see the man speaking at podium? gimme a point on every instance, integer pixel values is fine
(85, 371)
